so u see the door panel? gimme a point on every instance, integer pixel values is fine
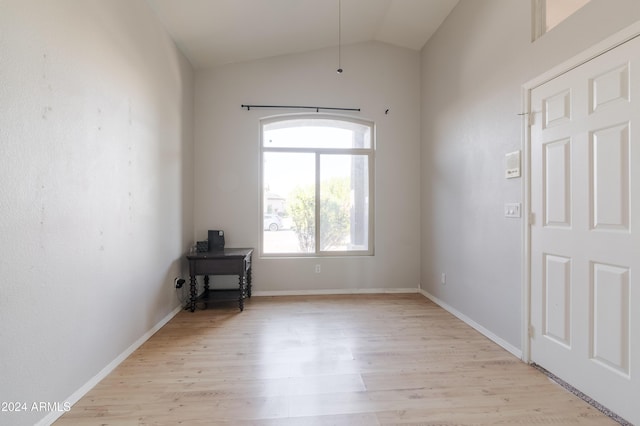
(585, 245)
(557, 291)
(610, 331)
(610, 178)
(556, 165)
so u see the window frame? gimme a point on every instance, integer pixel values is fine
(539, 17)
(318, 152)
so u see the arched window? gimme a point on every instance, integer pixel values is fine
(317, 186)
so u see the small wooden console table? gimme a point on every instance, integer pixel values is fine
(229, 261)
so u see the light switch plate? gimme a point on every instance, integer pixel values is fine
(512, 210)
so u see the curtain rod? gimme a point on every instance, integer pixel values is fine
(248, 107)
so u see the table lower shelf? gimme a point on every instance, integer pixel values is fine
(221, 296)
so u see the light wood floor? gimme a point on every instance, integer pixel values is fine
(326, 360)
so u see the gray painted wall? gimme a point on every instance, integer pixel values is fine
(472, 74)
(96, 198)
(376, 77)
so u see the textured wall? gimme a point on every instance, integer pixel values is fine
(473, 70)
(96, 123)
(376, 77)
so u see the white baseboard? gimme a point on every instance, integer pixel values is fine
(75, 397)
(333, 291)
(488, 334)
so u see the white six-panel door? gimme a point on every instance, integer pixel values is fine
(585, 235)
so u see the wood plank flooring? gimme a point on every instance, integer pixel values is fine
(326, 360)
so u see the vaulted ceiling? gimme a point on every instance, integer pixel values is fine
(216, 32)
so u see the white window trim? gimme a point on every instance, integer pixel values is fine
(370, 152)
(539, 17)
(539, 14)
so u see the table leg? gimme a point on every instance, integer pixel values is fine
(241, 290)
(206, 283)
(192, 293)
(249, 282)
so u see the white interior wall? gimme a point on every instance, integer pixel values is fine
(473, 70)
(376, 77)
(96, 198)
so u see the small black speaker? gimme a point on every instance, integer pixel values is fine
(216, 240)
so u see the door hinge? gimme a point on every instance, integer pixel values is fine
(531, 332)
(532, 118)
(532, 219)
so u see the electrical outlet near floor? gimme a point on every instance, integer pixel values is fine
(317, 268)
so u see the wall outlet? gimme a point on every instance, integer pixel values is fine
(317, 268)
(443, 279)
(178, 282)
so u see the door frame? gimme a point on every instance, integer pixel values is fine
(594, 51)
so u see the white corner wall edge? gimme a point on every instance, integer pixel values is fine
(75, 397)
(488, 334)
(333, 291)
